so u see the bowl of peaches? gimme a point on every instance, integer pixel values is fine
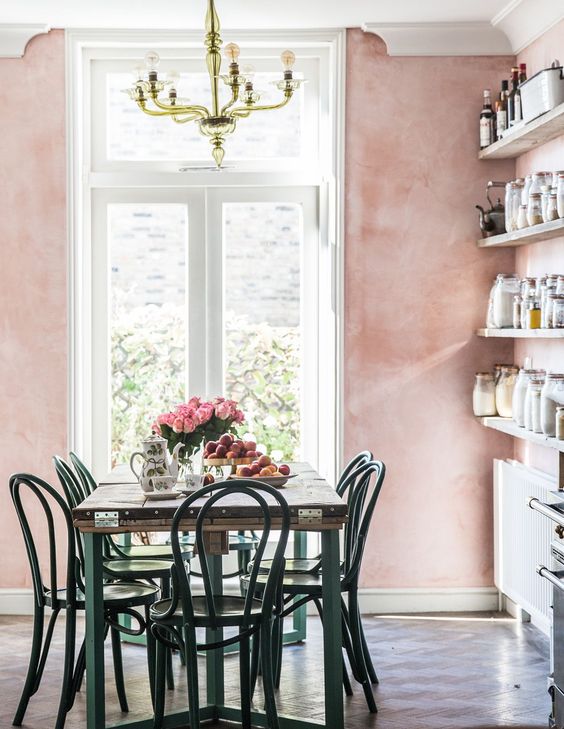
(245, 460)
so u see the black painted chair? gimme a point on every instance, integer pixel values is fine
(119, 597)
(175, 620)
(361, 487)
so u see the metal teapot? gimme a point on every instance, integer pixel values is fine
(155, 461)
(492, 221)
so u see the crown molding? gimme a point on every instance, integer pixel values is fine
(523, 21)
(14, 37)
(441, 39)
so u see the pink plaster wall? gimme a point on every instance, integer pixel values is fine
(547, 256)
(416, 289)
(33, 316)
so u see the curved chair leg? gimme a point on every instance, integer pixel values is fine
(118, 669)
(165, 593)
(79, 670)
(267, 677)
(192, 677)
(366, 653)
(277, 647)
(255, 659)
(245, 682)
(159, 690)
(68, 668)
(346, 681)
(151, 651)
(354, 627)
(31, 681)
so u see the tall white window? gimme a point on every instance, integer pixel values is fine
(191, 281)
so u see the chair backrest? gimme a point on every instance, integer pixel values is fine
(48, 497)
(257, 492)
(86, 478)
(362, 502)
(352, 465)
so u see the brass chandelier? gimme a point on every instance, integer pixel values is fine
(219, 121)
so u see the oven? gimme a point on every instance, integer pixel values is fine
(555, 575)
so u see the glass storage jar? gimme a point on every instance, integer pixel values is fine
(560, 196)
(506, 287)
(545, 195)
(526, 303)
(504, 391)
(525, 190)
(559, 423)
(532, 409)
(534, 209)
(546, 315)
(552, 208)
(552, 396)
(519, 392)
(510, 221)
(539, 180)
(558, 312)
(483, 395)
(560, 285)
(517, 301)
(522, 221)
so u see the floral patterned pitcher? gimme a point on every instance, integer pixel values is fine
(156, 461)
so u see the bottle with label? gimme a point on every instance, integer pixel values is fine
(514, 99)
(522, 72)
(487, 136)
(501, 110)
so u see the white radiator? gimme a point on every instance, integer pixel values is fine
(522, 538)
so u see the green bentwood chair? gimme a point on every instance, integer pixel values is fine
(301, 588)
(175, 620)
(119, 597)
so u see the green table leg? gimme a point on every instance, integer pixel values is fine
(214, 658)
(93, 577)
(299, 616)
(332, 636)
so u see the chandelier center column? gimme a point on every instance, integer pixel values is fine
(213, 56)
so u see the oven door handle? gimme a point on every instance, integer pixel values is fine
(546, 510)
(550, 576)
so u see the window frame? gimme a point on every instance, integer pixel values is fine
(83, 180)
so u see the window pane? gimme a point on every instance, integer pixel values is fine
(134, 136)
(148, 259)
(263, 348)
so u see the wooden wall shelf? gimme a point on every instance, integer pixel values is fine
(509, 426)
(522, 333)
(540, 130)
(545, 231)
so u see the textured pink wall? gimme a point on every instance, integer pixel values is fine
(547, 256)
(33, 317)
(416, 289)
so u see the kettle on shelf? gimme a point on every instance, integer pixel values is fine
(492, 221)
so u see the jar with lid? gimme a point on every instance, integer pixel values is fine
(538, 180)
(552, 208)
(560, 196)
(534, 209)
(483, 395)
(506, 287)
(504, 391)
(534, 314)
(522, 221)
(560, 285)
(516, 201)
(558, 312)
(510, 221)
(552, 396)
(519, 392)
(551, 279)
(532, 408)
(546, 314)
(525, 191)
(559, 425)
(555, 174)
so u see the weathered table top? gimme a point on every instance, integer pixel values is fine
(314, 505)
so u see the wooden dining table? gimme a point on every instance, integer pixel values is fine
(119, 507)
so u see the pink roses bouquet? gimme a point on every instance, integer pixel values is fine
(197, 421)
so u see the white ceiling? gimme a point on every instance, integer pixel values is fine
(242, 14)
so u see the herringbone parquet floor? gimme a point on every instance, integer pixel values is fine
(455, 671)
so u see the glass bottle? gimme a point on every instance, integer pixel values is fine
(504, 391)
(534, 314)
(531, 409)
(534, 209)
(483, 395)
(552, 208)
(506, 287)
(519, 393)
(522, 221)
(546, 317)
(558, 312)
(525, 191)
(514, 99)
(487, 118)
(545, 195)
(517, 302)
(552, 396)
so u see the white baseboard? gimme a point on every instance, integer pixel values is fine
(19, 601)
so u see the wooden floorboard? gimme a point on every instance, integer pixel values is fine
(477, 670)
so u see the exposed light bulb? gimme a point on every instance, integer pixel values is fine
(173, 77)
(248, 72)
(232, 52)
(152, 60)
(138, 73)
(288, 59)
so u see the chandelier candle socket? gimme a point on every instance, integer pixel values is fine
(219, 121)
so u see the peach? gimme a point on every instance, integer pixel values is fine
(264, 472)
(246, 472)
(208, 478)
(212, 456)
(221, 451)
(254, 468)
(256, 475)
(284, 469)
(277, 474)
(251, 454)
(264, 461)
(250, 445)
(231, 454)
(235, 448)
(271, 468)
(226, 440)
(211, 445)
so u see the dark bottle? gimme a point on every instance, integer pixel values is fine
(487, 128)
(522, 72)
(514, 99)
(501, 110)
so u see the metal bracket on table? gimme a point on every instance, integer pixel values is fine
(310, 516)
(106, 519)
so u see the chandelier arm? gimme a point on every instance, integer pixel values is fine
(234, 99)
(201, 111)
(151, 112)
(241, 111)
(186, 119)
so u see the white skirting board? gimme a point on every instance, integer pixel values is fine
(15, 601)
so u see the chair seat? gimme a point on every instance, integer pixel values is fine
(229, 611)
(237, 542)
(298, 565)
(293, 584)
(152, 551)
(138, 569)
(116, 594)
